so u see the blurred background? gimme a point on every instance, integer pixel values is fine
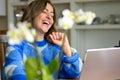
(102, 33)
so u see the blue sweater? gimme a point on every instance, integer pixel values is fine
(17, 55)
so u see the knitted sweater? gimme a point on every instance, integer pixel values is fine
(17, 55)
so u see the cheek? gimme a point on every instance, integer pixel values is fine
(37, 21)
(53, 21)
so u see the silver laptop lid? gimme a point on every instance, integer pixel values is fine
(101, 64)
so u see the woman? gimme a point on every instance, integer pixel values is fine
(41, 14)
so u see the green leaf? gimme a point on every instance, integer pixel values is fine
(45, 72)
(53, 66)
(47, 77)
(31, 68)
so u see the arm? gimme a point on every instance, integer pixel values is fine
(71, 66)
(71, 63)
(61, 39)
(14, 67)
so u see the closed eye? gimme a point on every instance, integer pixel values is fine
(47, 12)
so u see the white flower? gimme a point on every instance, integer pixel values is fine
(68, 13)
(79, 12)
(79, 19)
(14, 36)
(23, 31)
(79, 16)
(33, 32)
(89, 17)
(65, 23)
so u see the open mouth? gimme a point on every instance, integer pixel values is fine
(46, 22)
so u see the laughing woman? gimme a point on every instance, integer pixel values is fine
(41, 14)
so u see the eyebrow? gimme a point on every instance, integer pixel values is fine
(48, 10)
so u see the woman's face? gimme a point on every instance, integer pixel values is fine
(45, 20)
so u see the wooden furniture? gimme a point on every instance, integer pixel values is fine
(3, 31)
(3, 42)
(2, 48)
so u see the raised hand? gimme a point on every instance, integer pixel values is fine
(61, 39)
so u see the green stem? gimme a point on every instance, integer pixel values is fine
(40, 74)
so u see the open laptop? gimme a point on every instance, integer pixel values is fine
(101, 64)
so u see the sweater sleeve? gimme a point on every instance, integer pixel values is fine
(14, 67)
(71, 66)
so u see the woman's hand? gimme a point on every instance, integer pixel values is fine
(57, 38)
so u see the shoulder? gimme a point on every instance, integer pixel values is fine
(18, 48)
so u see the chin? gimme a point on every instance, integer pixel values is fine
(45, 31)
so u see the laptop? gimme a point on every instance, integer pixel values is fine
(101, 64)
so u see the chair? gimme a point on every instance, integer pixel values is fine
(3, 43)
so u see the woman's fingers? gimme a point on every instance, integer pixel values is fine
(57, 35)
(57, 38)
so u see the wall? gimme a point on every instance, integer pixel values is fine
(3, 15)
(3, 22)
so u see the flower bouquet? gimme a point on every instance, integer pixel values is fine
(78, 16)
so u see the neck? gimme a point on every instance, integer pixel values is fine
(39, 37)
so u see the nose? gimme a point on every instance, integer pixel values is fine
(48, 15)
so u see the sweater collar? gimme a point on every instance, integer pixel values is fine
(41, 43)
